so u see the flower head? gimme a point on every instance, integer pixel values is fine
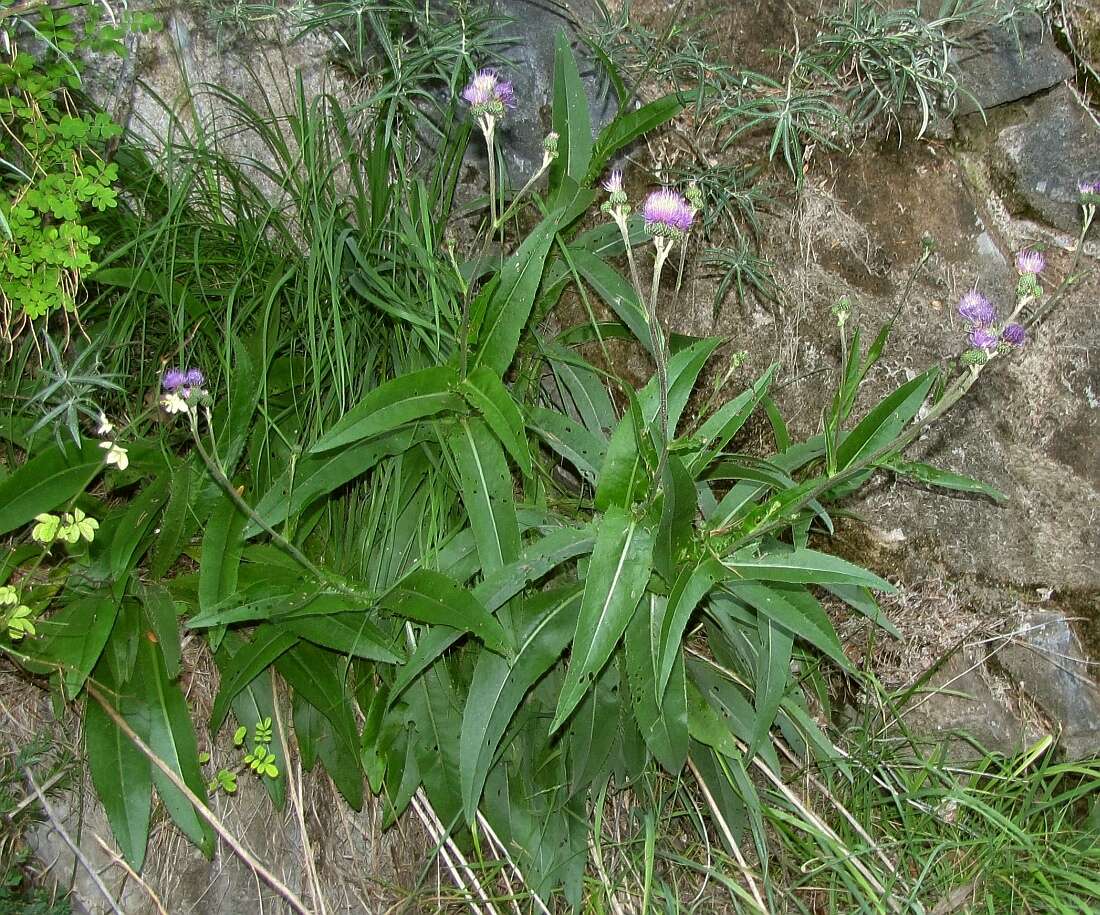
(983, 338)
(193, 378)
(1089, 191)
(1030, 261)
(977, 309)
(667, 214)
(103, 425)
(614, 182)
(1014, 335)
(116, 454)
(173, 378)
(487, 94)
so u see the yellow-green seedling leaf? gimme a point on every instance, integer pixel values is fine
(45, 531)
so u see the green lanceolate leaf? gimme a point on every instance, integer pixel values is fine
(803, 566)
(616, 291)
(432, 597)
(248, 662)
(943, 479)
(393, 404)
(622, 480)
(486, 488)
(662, 716)
(318, 475)
(583, 385)
(590, 735)
(794, 608)
(160, 613)
(539, 558)
(622, 560)
(169, 733)
(569, 439)
(348, 633)
(628, 126)
(317, 677)
(140, 514)
(501, 311)
(177, 523)
(861, 600)
(679, 505)
(122, 778)
(882, 425)
(498, 687)
(487, 394)
(726, 422)
(75, 637)
(570, 117)
(220, 561)
(46, 482)
(773, 672)
(690, 587)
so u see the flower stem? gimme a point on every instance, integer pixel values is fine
(249, 512)
(660, 356)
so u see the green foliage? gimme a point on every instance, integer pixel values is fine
(55, 171)
(413, 526)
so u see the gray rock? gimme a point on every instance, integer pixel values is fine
(998, 67)
(1047, 662)
(1040, 160)
(534, 28)
(958, 706)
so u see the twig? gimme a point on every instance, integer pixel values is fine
(205, 812)
(730, 840)
(293, 785)
(447, 849)
(121, 862)
(68, 840)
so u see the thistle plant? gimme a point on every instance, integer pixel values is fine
(489, 99)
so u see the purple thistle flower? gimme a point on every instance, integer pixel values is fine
(193, 378)
(977, 309)
(486, 93)
(1014, 335)
(173, 379)
(614, 184)
(667, 214)
(983, 338)
(1088, 188)
(1029, 261)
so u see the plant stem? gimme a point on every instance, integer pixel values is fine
(663, 247)
(249, 512)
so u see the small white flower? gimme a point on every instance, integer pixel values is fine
(174, 403)
(104, 425)
(116, 454)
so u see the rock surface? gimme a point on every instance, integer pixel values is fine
(1041, 159)
(535, 28)
(999, 66)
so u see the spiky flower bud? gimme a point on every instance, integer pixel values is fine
(694, 195)
(975, 357)
(1028, 286)
(550, 145)
(841, 310)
